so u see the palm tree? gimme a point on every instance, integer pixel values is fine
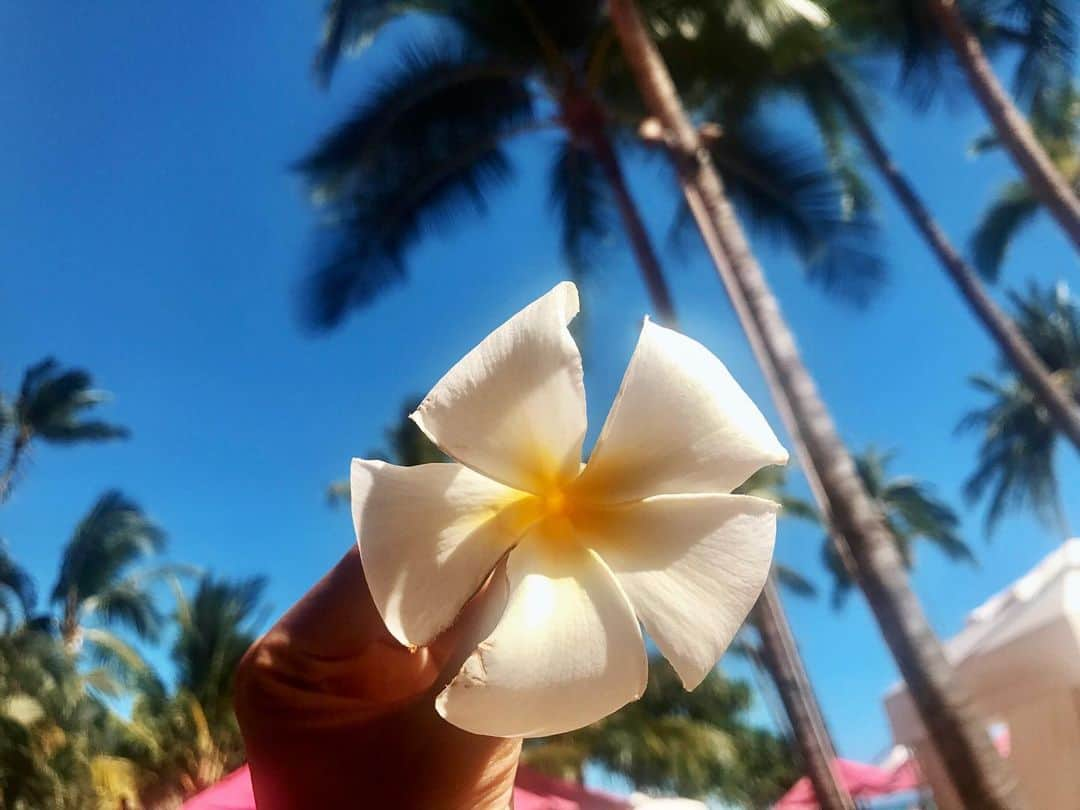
(691, 743)
(97, 588)
(431, 140)
(1016, 468)
(978, 774)
(50, 407)
(17, 592)
(441, 122)
(913, 512)
(777, 653)
(187, 739)
(1016, 135)
(1055, 119)
(807, 64)
(406, 445)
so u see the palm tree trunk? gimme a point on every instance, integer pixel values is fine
(1063, 409)
(1013, 129)
(647, 261)
(11, 469)
(782, 656)
(980, 777)
(69, 621)
(784, 664)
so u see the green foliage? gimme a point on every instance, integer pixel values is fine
(692, 743)
(1018, 440)
(912, 512)
(1055, 119)
(427, 143)
(406, 445)
(98, 590)
(51, 406)
(17, 591)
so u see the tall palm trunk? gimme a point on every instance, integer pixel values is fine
(784, 664)
(782, 656)
(1011, 126)
(980, 777)
(1063, 409)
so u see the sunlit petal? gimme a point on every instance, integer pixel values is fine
(680, 424)
(514, 407)
(428, 536)
(567, 651)
(692, 567)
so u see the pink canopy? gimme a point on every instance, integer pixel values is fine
(532, 791)
(862, 781)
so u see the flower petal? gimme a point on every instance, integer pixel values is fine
(567, 651)
(691, 565)
(429, 536)
(514, 407)
(680, 424)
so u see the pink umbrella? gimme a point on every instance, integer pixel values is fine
(863, 782)
(532, 791)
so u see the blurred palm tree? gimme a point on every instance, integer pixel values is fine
(1055, 191)
(692, 743)
(406, 445)
(52, 728)
(774, 654)
(1055, 119)
(1016, 468)
(50, 407)
(187, 738)
(18, 595)
(817, 66)
(429, 141)
(101, 587)
(912, 511)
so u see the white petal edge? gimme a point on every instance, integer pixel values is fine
(514, 407)
(428, 536)
(692, 566)
(680, 424)
(566, 652)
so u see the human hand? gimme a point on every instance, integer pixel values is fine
(335, 713)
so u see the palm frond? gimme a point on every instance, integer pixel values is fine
(113, 536)
(51, 400)
(789, 194)
(581, 198)
(17, 581)
(1045, 32)
(115, 656)
(126, 605)
(426, 144)
(794, 582)
(998, 227)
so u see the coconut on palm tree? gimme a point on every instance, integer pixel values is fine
(1016, 466)
(51, 407)
(977, 773)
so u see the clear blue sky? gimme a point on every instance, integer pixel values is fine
(150, 232)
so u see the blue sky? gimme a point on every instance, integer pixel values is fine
(151, 232)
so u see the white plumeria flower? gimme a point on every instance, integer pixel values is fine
(647, 530)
